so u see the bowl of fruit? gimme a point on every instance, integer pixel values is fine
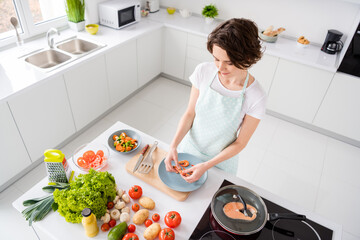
(91, 155)
(124, 141)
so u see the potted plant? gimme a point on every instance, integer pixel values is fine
(75, 11)
(210, 12)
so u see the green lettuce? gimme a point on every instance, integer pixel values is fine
(93, 190)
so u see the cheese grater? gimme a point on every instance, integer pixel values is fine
(57, 168)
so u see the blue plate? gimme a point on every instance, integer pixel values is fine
(130, 133)
(175, 181)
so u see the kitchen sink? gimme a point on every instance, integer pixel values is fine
(47, 59)
(77, 46)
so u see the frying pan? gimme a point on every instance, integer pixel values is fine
(243, 227)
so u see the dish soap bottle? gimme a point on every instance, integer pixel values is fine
(89, 223)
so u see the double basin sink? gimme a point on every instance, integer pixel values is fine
(63, 53)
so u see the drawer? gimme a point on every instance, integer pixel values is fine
(197, 41)
(199, 54)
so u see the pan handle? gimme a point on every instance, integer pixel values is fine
(294, 216)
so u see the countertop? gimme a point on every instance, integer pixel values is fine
(191, 209)
(17, 75)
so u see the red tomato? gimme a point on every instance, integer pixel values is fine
(135, 207)
(100, 153)
(131, 228)
(105, 227)
(89, 156)
(135, 192)
(112, 222)
(167, 234)
(130, 236)
(148, 222)
(155, 217)
(110, 205)
(172, 219)
(82, 163)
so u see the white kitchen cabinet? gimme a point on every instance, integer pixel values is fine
(14, 157)
(264, 71)
(88, 91)
(43, 116)
(297, 90)
(340, 109)
(174, 52)
(121, 68)
(196, 53)
(149, 54)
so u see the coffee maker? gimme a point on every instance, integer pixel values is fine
(332, 42)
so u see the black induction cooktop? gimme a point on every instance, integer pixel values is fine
(283, 229)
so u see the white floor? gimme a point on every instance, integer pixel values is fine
(305, 167)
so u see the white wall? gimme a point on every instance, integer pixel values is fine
(311, 18)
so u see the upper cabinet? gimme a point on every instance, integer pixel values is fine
(174, 52)
(14, 157)
(297, 90)
(121, 68)
(88, 91)
(196, 53)
(149, 53)
(264, 71)
(43, 116)
(339, 112)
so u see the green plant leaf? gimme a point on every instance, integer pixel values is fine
(210, 11)
(75, 10)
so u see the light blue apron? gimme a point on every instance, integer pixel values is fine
(215, 126)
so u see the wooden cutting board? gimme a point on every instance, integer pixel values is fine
(152, 177)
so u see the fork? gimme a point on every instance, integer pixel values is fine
(148, 163)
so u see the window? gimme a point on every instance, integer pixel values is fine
(34, 17)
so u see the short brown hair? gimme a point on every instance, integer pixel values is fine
(240, 39)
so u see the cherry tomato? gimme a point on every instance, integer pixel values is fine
(131, 228)
(167, 234)
(110, 205)
(89, 156)
(130, 236)
(148, 222)
(135, 192)
(172, 219)
(105, 227)
(82, 163)
(155, 217)
(135, 207)
(100, 153)
(112, 222)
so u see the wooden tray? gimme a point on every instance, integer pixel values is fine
(152, 177)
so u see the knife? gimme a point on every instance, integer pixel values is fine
(141, 157)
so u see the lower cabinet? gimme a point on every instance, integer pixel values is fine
(14, 157)
(149, 53)
(88, 91)
(174, 52)
(340, 109)
(43, 116)
(264, 71)
(121, 68)
(297, 90)
(196, 53)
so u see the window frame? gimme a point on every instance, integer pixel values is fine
(29, 28)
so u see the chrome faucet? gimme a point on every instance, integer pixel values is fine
(50, 40)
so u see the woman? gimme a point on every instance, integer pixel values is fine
(226, 103)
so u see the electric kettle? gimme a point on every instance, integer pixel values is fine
(153, 5)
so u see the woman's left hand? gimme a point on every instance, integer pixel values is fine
(196, 172)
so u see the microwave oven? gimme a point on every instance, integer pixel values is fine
(119, 13)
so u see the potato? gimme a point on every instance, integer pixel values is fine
(152, 231)
(147, 203)
(140, 216)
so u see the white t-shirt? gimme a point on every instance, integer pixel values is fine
(254, 103)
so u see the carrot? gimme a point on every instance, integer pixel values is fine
(128, 149)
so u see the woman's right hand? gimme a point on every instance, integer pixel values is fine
(171, 156)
